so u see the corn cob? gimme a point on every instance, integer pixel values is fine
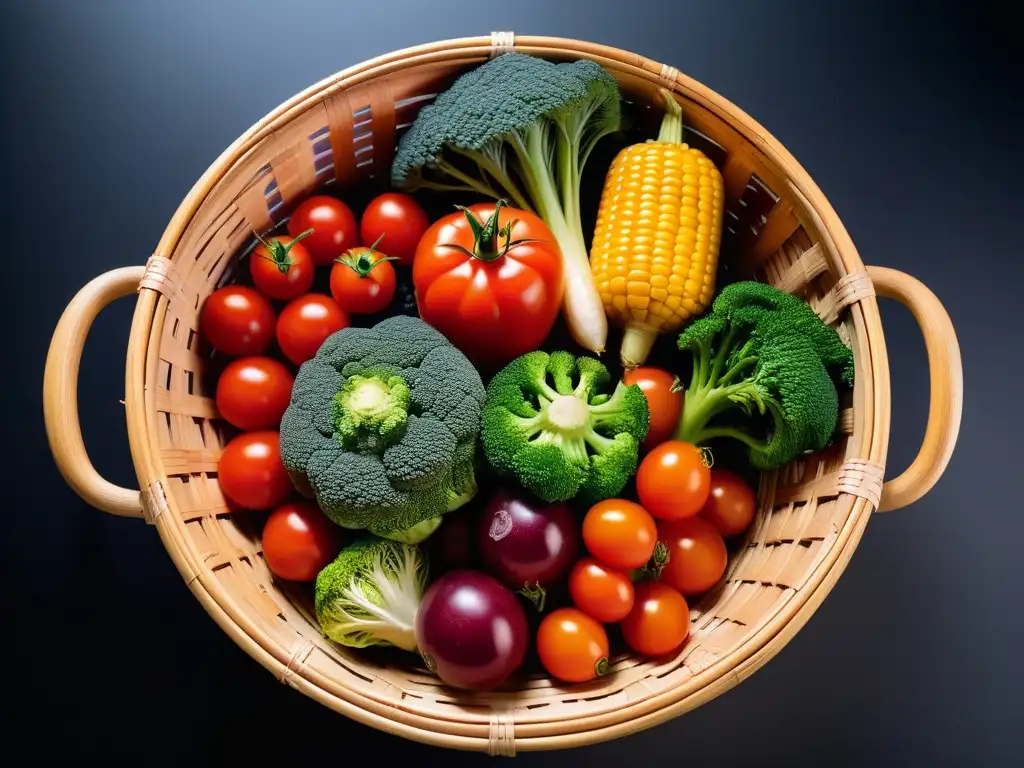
(659, 225)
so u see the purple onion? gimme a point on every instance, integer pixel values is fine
(471, 630)
(528, 544)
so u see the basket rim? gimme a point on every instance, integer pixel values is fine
(869, 440)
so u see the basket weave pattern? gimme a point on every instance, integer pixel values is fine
(343, 132)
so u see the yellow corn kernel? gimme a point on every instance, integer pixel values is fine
(655, 247)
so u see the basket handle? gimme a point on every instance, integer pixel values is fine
(60, 393)
(947, 386)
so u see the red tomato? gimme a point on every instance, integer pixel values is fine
(363, 280)
(494, 298)
(673, 480)
(730, 506)
(299, 540)
(599, 591)
(253, 392)
(305, 323)
(572, 646)
(399, 220)
(696, 555)
(659, 622)
(281, 267)
(251, 473)
(664, 404)
(620, 533)
(334, 228)
(238, 320)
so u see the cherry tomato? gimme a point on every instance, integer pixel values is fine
(363, 280)
(620, 533)
(602, 593)
(299, 540)
(697, 556)
(281, 267)
(659, 622)
(474, 287)
(673, 480)
(397, 218)
(251, 473)
(334, 227)
(572, 646)
(253, 392)
(305, 323)
(730, 505)
(664, 404)
(238, 320)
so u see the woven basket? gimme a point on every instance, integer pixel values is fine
(342, 131)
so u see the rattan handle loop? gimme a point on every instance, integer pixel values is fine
(60, 393)
(947, 387)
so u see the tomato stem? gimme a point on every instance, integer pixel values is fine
(361, 260)
(536, 594)
(279, 252)
(486, 235)
(602, 666)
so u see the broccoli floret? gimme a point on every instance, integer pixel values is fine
(547, 422)
(382, 428)
(370, 594)
(521, 128)
(767, 354)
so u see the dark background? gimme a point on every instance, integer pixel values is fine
(909, 122)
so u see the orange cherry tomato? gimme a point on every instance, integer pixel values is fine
(620, 533)
(299, 541)
(673, 480)
(664, 404)
(281, 267)
(659, 622)
(572, 646)
(253, 392)
(730, 505)
(602, 593)
(363, 280)
(697, 556)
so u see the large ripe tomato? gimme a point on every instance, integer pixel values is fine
(399, 220)
(620, 533)
(238, 320)
(659, 622)
(305, 323)
(253, 392)
(334, 227)
(730, 506)
(673, 480)
(251, 473)
(299, 540)
(572, 646)
(697, 556)
(363, 280)
(601, 592)
(281, 267)
(494, 298)
(664, 402)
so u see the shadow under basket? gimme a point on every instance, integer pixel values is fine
(341, 134)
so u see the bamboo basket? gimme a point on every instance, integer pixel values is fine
(342, 131)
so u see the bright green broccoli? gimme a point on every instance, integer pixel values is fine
(767, 354)
(370, 594)
(382, 428)
(521, 128)
(548, 422)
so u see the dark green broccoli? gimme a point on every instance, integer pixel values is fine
(370, 593)
(548, 422)
(382, 428)
(764, 352)
(521, 128)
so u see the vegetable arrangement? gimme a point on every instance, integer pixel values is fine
(418, 399)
